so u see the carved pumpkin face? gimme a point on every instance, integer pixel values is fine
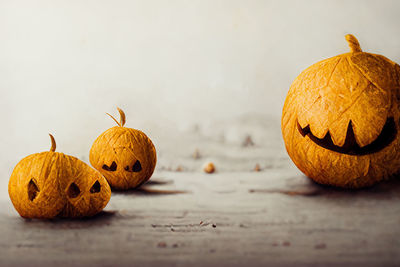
(340, 119)
(51, 184)
(125, 156)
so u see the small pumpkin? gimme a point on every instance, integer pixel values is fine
(125, 156)
(51, 184)
(340, 119)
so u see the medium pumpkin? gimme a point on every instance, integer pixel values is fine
(51, 184)
(340, 119)
(125, 156)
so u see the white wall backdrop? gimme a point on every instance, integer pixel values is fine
(169, 64)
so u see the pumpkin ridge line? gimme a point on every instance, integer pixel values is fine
(308, 109)
(293, 129)
(346, 109)
(58, 161)
(117, 139)
(99, 139)
(294, 92)
(370, 80)
(44, 166)
(54, 163)
(112, 137)
(333, 71)
(116, 156)
(65, 162)
(349, 107)
(108, 143)
(288, 124)
(323, 87)
(69, 161)
(364, 75)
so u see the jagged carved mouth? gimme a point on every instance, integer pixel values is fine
(350, 147)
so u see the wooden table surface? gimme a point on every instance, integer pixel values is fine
(235, 217)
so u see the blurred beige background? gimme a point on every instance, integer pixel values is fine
(170, 65)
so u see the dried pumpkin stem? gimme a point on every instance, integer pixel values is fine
(353, 43)
(122, 119)
(113, 119)
(53, 143)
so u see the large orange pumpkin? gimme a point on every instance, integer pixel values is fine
(340, 119)
(125, 156)
(51, 184)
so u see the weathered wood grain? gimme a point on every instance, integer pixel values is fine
(226, 219)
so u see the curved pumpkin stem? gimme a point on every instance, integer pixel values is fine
(53, 143)
(122, 118)
(353, 43)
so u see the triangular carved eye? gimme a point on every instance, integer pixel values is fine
(112, 168)
(73, 191)
(137, 167)
(33, 190)
(95, 187)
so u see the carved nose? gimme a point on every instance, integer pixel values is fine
(137, 167)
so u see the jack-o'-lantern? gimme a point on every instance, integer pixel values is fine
(51, 184)
(125, 156)
(340, 119)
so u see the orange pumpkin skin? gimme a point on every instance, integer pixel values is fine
(337, 116)
(51, 184)
(125, 156)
